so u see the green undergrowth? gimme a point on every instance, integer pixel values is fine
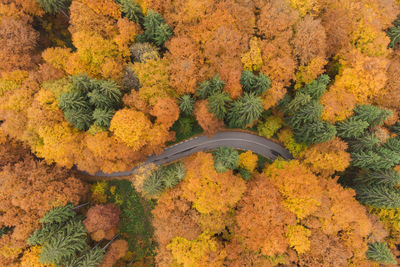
(135, 220)
(185, 128)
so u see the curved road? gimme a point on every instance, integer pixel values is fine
(238, 140)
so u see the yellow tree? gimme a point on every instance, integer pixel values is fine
(326, 158)
(208, 190)
(297, 184)
(131, 127)
(202, 251)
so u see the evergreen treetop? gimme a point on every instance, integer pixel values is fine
(186, 104)
(380, 253)
(54, 6)
(132, 10)
(378, 196)
(371, 114)
(225, 158)
(253, 83)
(210, 87)
(317, 88)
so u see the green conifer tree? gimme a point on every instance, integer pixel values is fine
(82, 83)
(59, 214)
(314, 133)
(388, 177)
(245, 110)
(364, 159)
(81, 119)
(394, 33)
(210, 87)
(366, 142)
(111, 90)
(186, 104)
(73, 100)
(91, 258)
(65, 244)
(63, 236)
(132, 10)
(103, 117)
(351, 128)
(253, 83)
(54, 6)
(156, 30)
(219, 104)
(317, 88)
(308, 113)
(396, 128)
(371, 114)
(378, 196)
(153, 185)
(296, 103)
(380, 253)
(225, 158)
(173, 174)
(244, 173)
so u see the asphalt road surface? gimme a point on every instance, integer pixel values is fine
(237, 140)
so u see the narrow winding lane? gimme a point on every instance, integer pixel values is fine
(237, 140)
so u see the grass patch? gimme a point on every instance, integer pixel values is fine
(135, 220)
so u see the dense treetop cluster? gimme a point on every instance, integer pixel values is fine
(96, 85)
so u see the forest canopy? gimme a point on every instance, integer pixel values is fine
(90, 89)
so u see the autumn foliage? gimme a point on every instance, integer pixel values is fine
(100, 85)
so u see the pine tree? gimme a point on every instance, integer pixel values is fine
(59, 214)
(388, 158)
(103, 117)
(364, 159)
(225, 158)
(111, 90)
(393, 144)
(64, 245)
(162, 34)
(81, 119)
(309, 113)
(296, 103)
(185, 126)
(132, 11)
(156, 30)
(82, 83)
(218, 104)
(186, 104)
(317, 88)
(91, 258)
(253, 83)
(388, 177)
(371, 114)
(210, 87)
(153, 185)
(366, 142)
(100, 101)
(72, 100)
(314, 133)
(394, 33)
(396, 128)
(173, 174)
(245, 110)
(54, 6)
(378, 196)
(245, 173)
(380, 253)
(351, 128)
(62, 236)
